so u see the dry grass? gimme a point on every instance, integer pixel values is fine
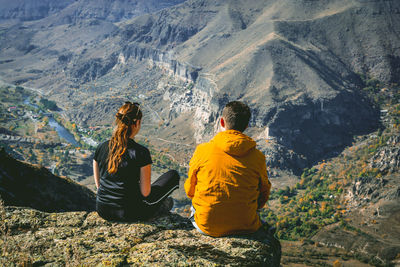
(11, 249)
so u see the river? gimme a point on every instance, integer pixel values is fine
(61, 130)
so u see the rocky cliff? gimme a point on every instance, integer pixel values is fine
(32, 237)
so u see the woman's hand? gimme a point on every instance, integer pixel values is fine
(96, 174)
(145, 180)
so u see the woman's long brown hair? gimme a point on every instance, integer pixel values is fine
(126, 116)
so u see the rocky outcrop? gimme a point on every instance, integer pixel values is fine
(33, 237)
(164, 60)
(369, 189)
(387, 158)
(22, 184)
(82, 238)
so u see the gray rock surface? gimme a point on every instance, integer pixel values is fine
(82, 238)
(32, 237)
(387, 159)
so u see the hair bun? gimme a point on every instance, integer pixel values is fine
(124, 118)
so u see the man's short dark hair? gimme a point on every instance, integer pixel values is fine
(236, 115)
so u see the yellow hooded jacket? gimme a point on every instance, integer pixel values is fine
(227, 183)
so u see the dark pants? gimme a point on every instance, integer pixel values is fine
(149, 207)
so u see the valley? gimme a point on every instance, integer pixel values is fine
(321, 78)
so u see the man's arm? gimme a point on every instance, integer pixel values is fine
(191, 181)
(190, 185)
(265, 187)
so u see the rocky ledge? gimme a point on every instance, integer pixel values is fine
(60, 228)
(30, 237)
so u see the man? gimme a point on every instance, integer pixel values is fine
(228, 178)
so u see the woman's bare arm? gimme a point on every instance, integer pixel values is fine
(145, 180)
(96, 174)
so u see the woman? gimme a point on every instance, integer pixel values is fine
(122, 173)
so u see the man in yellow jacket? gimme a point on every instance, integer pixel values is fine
(228, 178)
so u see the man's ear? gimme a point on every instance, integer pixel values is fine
(222, 121)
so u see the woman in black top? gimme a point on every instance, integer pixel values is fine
(122, 173)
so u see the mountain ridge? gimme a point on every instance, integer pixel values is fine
(201, 54)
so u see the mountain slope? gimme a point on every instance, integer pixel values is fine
(24, 185)
(68, 10)
(350, 201)
(30, 10)
(297, 64)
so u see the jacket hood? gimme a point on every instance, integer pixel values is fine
(234, 142)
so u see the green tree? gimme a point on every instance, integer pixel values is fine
(48, 104)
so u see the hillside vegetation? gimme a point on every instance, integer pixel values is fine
(347, 191)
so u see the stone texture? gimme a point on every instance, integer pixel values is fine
(387, 159)
(83, 238)
(70, 236)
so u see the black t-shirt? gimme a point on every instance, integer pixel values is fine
(122, 189)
